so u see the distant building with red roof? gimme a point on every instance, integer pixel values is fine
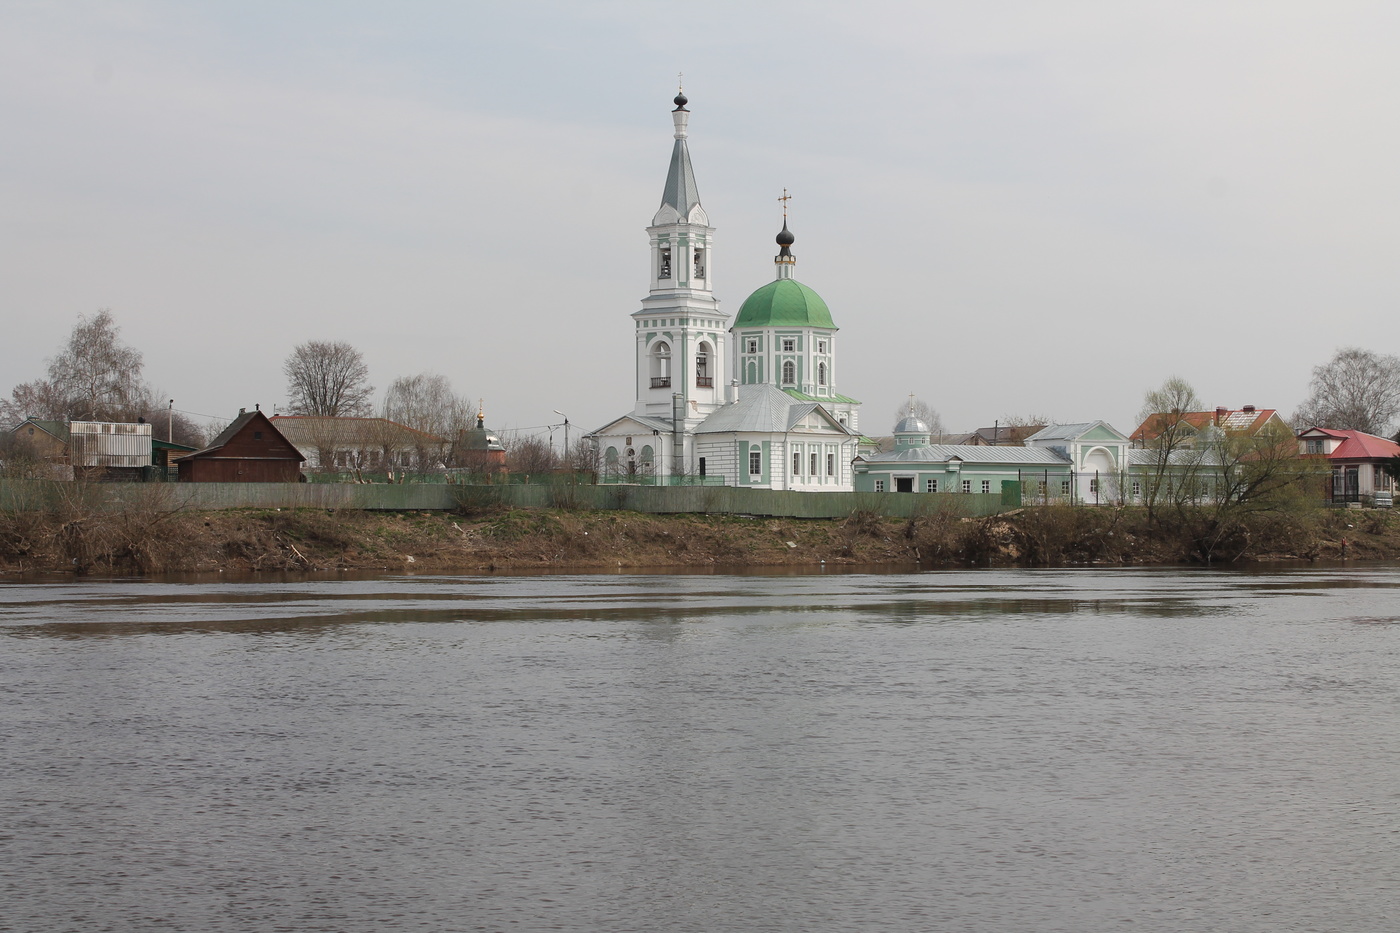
(1358, 463)
(1247, 420)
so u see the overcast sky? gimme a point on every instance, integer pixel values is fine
(1011, 208)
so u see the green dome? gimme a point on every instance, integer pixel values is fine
(784, 302)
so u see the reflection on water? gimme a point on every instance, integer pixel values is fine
(1048, 750)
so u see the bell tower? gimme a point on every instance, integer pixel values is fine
(681, 334)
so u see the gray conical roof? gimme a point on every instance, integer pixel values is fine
(681, 192)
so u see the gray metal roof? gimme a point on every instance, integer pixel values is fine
(651, 424)
(681, 192)
(1061, 432)
(968, 453)
(762, 409)
(1138, 456)
(911, 425)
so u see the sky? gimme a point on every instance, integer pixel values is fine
(1013, 209)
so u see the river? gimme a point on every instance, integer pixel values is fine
(1042, 750)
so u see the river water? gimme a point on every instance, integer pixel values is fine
(1042, 750)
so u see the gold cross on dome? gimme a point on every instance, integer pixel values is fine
(785, 198)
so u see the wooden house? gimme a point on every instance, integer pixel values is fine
(250, 450)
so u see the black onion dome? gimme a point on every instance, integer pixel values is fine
(681, 101)
(785, 238)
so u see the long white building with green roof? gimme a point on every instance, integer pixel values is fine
(752, 403)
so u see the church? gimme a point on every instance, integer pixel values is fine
(751, 402)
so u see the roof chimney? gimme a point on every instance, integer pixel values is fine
(1220, 413)
(1248, 408)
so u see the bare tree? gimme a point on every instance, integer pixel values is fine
(584, 456)
(1016, 428)
(1173, 471)
(1356, 390)
(531, 454)
(326, 378)
(95, 377)
(923, 411)
(426, 403)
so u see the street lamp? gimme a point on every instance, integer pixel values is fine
(566, 434)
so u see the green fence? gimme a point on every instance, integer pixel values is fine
(36, 494)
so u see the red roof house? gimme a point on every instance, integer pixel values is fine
(1358, 463)
(1247, 420)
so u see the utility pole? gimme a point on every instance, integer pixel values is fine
(170, 422)
(566, 435)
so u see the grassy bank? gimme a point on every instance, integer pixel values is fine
(73, 539)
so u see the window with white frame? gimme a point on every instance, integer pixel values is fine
(879, 485)
(1137, 489)
(986, 486)
(821, 346)
(789, 344)
(830, 464)
(1313, 445)
(967, 485)
(812, 466)
(796, 463)
(752, 345)
(821, 374)
(1094, 485)
(755, 463)
(789, 372)
(1064, 487)
(931, 486)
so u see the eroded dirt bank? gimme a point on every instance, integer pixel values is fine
(308, 539)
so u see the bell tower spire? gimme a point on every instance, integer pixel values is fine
(681, 334)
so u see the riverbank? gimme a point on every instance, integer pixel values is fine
(139, 542)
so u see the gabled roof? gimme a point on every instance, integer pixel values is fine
(646, 422)
(1070, 432)
(56, 429)
(236, 427)
(764, 409)
(1358, 445)
(1248, 421)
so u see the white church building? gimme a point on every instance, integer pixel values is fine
(751, 402)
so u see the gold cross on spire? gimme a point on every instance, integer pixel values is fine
(911, 403)
(785, 198)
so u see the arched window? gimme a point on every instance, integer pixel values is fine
(661, 365)
(645, 461)
(821, 374)
(703, 379)
(789, 372)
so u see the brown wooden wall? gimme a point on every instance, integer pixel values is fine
(228, 470)
(256, 453)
